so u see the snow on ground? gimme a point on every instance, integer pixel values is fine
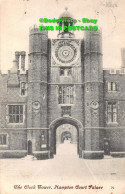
(65, 169)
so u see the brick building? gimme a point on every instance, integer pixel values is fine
(64, 93)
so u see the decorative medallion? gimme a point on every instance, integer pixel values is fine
(94, 104)
(36, 106)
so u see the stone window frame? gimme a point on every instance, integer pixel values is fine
(65, 71)
(112, 112)
(7, 142)
(66, 85)
(7, 113)
(110, 86)
(25, 89)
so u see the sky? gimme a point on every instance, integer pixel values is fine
(17, 16)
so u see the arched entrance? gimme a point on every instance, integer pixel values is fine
(61, 121)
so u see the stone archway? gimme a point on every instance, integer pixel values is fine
(66, 120)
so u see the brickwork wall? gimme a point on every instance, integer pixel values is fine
(17, 139)
(37, 78)
(36, 139)
(115, 131)
(90, 84)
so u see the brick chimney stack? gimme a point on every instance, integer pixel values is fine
(17, 55)
(23, 54)
(15, 66)
(123, 57)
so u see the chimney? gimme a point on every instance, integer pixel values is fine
(23, 54)
(13, 79)
(17, 55)
(14, 67)
(123, 57)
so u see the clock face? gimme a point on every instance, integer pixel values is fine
(65, 52)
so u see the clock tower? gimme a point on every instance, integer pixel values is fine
(76, 88)
(65, 87)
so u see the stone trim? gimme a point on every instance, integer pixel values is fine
(84, 151)
(22, 128)
(117, 152)
(76, 83)
(13, 128)
(37, 81)
(112, 127)
(40, 152)
(109, 128)
(37, 128)
(1, 151)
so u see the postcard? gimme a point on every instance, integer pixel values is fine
(62, 97)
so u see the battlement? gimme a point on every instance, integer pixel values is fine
(35, 30)
(114, 71)
(92, 33)
(19, 72)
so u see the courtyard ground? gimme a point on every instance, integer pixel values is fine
(64, 174)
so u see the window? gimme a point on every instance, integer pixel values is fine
(15, 113)
(66, 94)
(3, 139)
(65, 71)
(112, 86)
(23, 88)
(112, 112)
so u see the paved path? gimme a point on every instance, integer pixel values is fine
(66, 167)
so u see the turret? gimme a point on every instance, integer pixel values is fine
(37, 91)
(37, 76)
(93, 93)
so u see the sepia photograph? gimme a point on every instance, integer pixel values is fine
(62, 97)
